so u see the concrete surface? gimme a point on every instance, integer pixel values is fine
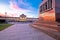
(23, 32)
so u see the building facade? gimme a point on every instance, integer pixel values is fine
(50, 11)
(23, 17)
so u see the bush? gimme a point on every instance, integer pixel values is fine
(2, 21)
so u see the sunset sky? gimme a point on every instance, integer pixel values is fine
(17, 7)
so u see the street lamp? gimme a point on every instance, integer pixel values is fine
(5, 14)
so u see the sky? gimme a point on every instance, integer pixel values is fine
(15, 8)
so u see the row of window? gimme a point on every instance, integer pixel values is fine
(47, 5)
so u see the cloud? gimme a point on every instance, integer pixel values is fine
(13, 5)
(21, 4)
(16, 8)
(21, 7)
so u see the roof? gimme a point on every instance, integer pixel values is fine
(22, 15)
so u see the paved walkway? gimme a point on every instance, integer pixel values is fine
(23, 32)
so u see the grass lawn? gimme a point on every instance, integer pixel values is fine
(3, 26)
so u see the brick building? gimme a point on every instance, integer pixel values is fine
(50, 11)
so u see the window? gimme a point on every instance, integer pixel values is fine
(49, 4)
(45, 5)
(40, 8)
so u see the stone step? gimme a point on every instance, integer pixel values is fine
(47, 26)
(53, 33)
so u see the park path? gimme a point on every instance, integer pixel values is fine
(23, 32)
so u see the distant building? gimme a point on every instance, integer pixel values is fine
(50, 11)
(23, 17)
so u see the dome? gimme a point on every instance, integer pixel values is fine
(22, 15)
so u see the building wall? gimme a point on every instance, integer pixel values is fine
(57, 10)
(47, 14)
(23, 19)
(18, 19)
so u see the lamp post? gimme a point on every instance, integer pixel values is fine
(5, 14)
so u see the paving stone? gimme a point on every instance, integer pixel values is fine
(23, 32)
